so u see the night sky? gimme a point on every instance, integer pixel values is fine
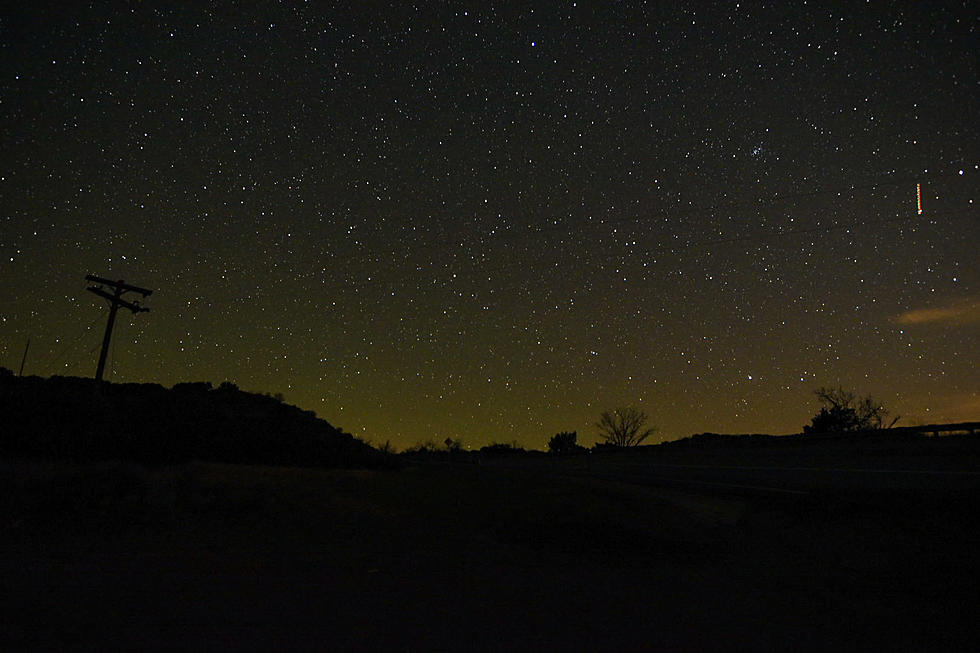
(495, 222)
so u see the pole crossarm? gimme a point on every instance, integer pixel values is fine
(133, 306)
(115, 301)
(121, 285)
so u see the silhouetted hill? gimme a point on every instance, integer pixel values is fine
(80, 419)
(957, 447)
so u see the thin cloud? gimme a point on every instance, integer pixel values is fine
(960, 312)
(950, 409)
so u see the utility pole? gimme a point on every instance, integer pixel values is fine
(24, 359)
(115, 301)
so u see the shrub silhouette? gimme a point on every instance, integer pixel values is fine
(429, 446)
(564, 443)
(453, 446)
(842, 411)
(501, 449)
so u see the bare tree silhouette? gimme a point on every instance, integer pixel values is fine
(621, 427)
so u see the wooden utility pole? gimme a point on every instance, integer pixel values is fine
(115, 301)
(24, 359)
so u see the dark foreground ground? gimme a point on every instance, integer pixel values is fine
(535, 556)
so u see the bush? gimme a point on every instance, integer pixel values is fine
(453, 446)
(498, 448)
(564, 443)
(842, 412)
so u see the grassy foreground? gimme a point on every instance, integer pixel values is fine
(464, 557)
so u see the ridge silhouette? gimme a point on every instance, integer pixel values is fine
(82, 419)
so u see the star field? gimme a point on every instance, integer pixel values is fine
(494, 222)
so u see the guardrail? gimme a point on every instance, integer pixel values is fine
(931, 430)
(965, 428)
